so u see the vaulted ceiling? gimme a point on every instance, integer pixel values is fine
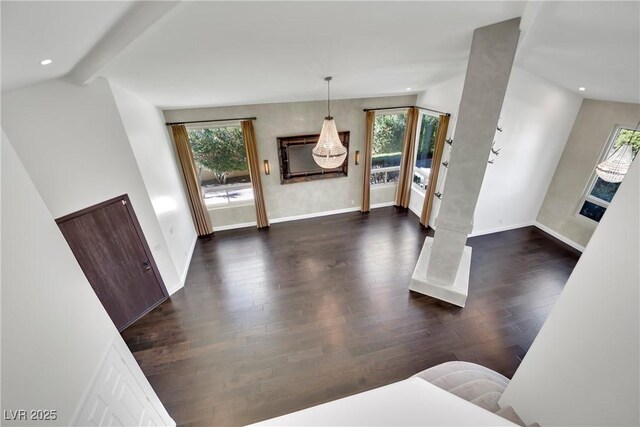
(227, 53)
(62, 31)
(236, 53)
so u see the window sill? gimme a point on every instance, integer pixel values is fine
(386, 185)
(230, 205)
(584, 221)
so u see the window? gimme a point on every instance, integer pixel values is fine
(386, 152)
(221, 164)
(599, 193)
(425, 145)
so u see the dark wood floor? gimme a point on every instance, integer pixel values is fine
(270, 322)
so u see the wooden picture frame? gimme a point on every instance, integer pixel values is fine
(297, 164)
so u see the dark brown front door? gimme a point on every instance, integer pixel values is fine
(108, 243)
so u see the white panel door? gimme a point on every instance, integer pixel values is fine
(117, 398)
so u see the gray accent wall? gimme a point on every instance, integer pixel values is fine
(593, 126)
(299, 118)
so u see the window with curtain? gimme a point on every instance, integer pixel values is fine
(599, 194)
(221, 164)
(425, 146)
(388, 137)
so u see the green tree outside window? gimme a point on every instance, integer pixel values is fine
(220, 150)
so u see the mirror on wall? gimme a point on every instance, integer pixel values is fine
(296, 161)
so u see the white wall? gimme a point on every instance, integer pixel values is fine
(583, 367)
(593, 126)
(154, 154)
(536, 119)
(75, 148)
(299, 118)
(54, 329)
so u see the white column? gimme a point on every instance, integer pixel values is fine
(443, 267)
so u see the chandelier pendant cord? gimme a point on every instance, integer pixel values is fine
(328, 79)
(329, 153)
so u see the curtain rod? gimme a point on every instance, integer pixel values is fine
(406, 106)
(211, 121)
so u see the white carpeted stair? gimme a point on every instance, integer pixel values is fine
(474, 383)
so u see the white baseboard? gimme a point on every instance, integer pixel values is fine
(499, 229)
(536, 224)
(176, 288)
(382, 205)
(559, 236)
(180, 284)
(234, 226)
(313, 215)
(303, 216)
(299, 217)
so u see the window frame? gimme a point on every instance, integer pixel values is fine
(418, 189)
(586, 193)
(229, 204)
(388, 169)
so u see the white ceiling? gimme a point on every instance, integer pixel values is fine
(214, 53)
(226, 53)
(62, 31)
(595, 45)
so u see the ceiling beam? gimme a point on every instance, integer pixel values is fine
(529, 15)
(140, 18)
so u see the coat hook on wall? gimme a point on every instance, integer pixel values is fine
(493, 150)
(449, 141)
(445, 163)
(438, 195)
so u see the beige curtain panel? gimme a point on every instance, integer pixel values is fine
(249, 138)
(370, 120)
(403, 193)
(443, 125)
(196, 202)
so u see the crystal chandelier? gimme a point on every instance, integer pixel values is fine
(615, 167)
(329, 153)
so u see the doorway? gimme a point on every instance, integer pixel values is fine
(109, 245)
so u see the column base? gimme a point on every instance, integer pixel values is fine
(455, 294)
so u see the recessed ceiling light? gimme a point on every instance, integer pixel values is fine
(46, 61)
(582, 89)
(408, 88)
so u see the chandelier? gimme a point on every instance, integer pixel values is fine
(615, 167)
(329, 153)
